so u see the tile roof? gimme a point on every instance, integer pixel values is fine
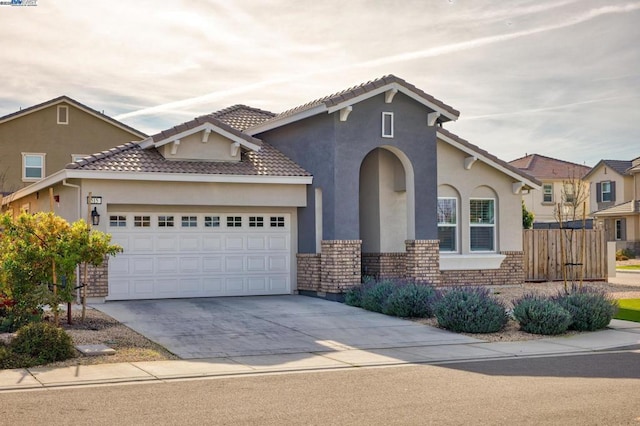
(242, 117)
(77, 104)
(198, 121)
(131, 157)
(361, 89)
(628, 208)
(492, 157)
(620, 166)
(543, 167)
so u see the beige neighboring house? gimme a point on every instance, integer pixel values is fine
(38, 141)
(615, 201)
(561, 182)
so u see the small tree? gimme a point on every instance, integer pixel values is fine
(39, 255)
(527, 217)
(570, 212)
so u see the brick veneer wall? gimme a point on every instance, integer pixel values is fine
(340, 263)
(384, 265)
(510, 272)
(309, 271)
(98, 285)
(423, 261)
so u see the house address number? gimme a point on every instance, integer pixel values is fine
(94, 200)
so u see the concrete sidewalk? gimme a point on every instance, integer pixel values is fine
(618, 334)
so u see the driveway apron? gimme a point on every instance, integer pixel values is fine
(268, 325)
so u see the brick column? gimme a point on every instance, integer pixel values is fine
(423, 261)
(98, 285)
(341, 261)
(309, 272)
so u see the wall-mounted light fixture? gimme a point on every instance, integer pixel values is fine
(95, 217)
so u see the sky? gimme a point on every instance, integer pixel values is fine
(559, 78)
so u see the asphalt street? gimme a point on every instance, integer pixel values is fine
(596, 388)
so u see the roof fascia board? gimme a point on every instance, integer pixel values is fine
(48, 181)
(269, 125)
(184, 177)
(600, 164)
(28, 111)
(400, 88)
(488, 161)
(200, 128)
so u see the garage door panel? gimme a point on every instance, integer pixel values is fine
(190, 265)
(257, 284)
(201, 261)
(212, 264)
(277, 284)
(190, 287)
(166, 243)
(167, 265)
(234, 285)
(143, 287)
(278, 242)
(234, 242)
(234, 264)
(118, 266)
(212, 243)
(256, 242)
(141, 243)
(256, 263)
(142, 265)
(190, 243)
(278, 264)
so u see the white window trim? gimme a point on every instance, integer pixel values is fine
(466, 262)
(76, 157)
(602, 192)
(66, 109)
(483, 225)
(24, 166)
(388, 134)
(457, 250)
(615, 229)
(543, 193)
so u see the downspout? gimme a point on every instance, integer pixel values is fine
(65, 183)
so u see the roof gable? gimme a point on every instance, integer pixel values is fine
(76, 104)
(477, 153)
(389, 85)
(542, 167)
(621, 167)
(202, 128)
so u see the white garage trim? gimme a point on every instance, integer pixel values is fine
(173, 255)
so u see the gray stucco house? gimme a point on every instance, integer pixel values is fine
(246, 202)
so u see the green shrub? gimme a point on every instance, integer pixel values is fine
(375, 294)
(539, 315)
(625, 254)
(410, 300)
(43, 342)
(591, 309)
(10, 359)
(470, 310)
(353, 296)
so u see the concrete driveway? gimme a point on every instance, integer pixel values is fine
(269, 325)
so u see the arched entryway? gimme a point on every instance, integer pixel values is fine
(386, 201)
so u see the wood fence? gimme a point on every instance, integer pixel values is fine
(543, 258)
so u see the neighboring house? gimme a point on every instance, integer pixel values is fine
(615, 201)
(247, 202)
(37, 141)
(561, 185)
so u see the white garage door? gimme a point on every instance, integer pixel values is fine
(199, 255)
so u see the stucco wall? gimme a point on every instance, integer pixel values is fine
(480, 181)
(217, 148)
(333, 152)
(38, 132)
(624, 187)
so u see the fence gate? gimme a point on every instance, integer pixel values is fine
(543, 258)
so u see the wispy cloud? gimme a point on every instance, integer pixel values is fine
(394, 59)
(551, 108)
